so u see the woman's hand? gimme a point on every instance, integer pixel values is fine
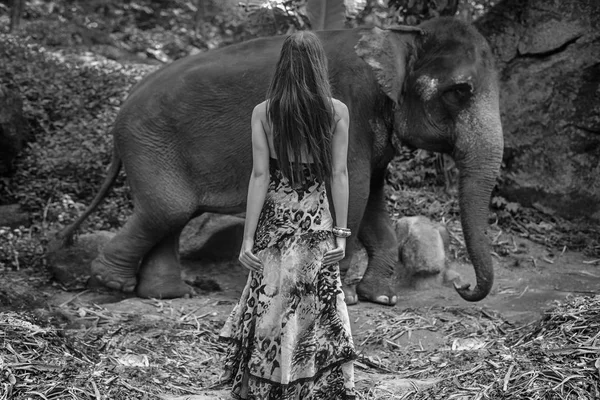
(249, 259)
(337, 254)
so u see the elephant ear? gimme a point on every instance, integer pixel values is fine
(388, 52)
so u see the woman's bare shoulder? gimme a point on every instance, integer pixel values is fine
(260, 110)
(341, 110)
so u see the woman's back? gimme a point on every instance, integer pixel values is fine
(306, 157)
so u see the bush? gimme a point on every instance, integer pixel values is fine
(71, 103)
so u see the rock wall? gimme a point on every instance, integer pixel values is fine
(548, 55)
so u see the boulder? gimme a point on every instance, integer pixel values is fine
(422, 247)
(14, 129)
(548, 54)
(213, 237)
(70, 265)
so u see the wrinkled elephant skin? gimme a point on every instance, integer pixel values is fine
(183, 137)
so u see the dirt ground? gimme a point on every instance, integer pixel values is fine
(527, 281)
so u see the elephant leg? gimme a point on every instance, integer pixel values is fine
(359, 195)
(160, 273)
(379, 238)
(157, 214)
(116, 267)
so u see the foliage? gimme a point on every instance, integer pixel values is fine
(413, 12)
(71, 105)
(505, 208)
(417, 168)
(280, 18)
(147, 29)
(417, 185)
(326, 14)
(167, 30)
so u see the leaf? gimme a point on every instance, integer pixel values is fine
(326, 14)
(499, 201)
(512, 207)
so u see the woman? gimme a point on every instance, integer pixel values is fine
(289, 335)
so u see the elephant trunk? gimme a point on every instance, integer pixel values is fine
(478, 154)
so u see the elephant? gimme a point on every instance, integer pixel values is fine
(183, 138)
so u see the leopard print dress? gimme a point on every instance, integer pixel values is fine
(289, 335)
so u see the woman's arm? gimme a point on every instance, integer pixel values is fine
(339, 180)
(257, 188)
(339, 168)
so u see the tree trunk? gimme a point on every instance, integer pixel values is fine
(15, 15)
(548, 55)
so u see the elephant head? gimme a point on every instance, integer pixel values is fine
(444, 94)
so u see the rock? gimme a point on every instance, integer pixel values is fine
(14, 129)
(422, 246)
(70, 265)
(13, 217)
(212, 237)
(548, 54)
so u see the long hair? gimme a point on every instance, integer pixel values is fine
(300, 108)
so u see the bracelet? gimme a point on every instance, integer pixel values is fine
(341, 232)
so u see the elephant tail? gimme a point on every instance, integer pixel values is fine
(65, 237)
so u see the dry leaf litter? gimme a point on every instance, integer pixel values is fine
(102, 354)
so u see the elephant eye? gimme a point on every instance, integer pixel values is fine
(458, 94)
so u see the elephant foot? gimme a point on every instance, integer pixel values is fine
(161, 287)
(113, 277)
(372, 291)
(350, 295)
